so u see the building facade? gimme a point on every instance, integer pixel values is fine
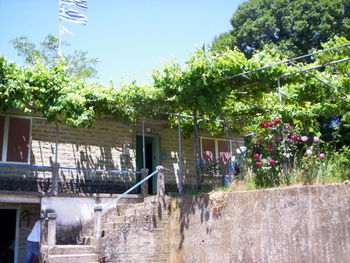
(95, 164)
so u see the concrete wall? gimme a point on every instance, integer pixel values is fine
(294, 224)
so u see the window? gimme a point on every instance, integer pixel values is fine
(14, 139)
(219, 151)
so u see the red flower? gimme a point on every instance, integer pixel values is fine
(277, 120)
(256, 156)
(260, 141)
(258, 164)
(287, 127)
(263, 124)
(270, 124)
(270, 147)
(294, 137)
(272, 162)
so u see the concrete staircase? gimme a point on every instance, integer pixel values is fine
(72, 254)
(133, 231)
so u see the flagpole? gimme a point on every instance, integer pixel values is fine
(59, 51)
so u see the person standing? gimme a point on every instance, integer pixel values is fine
(33, 243)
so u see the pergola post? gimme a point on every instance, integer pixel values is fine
(180, 155)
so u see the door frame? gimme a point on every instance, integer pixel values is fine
(17, 208)
(155, 161)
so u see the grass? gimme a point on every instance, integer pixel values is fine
(332, 170)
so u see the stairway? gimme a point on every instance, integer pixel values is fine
(133, 231)
(72, 254)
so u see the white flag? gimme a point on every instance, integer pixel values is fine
(65, 31)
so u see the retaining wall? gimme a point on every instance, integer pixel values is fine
(293, 224)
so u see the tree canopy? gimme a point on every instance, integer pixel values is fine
(294, 26)
(78, 63)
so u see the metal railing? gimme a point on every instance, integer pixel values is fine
(115, 201)
(98, 209)
(57, 179)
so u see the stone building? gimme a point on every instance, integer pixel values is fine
(93, 165)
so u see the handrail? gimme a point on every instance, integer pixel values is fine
(97, 170)
(128, 191)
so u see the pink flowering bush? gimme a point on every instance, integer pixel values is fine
(277, 148)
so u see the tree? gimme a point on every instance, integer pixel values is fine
(198, 89)
(295, 26)
(223, 42)
(78, 63)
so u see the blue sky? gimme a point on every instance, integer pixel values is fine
(130, 38)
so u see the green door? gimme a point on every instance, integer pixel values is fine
(151, 156)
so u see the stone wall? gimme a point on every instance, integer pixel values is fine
(107, 145)
(293, 224)
(98, 147)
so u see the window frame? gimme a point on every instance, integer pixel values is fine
(216, 145)
(5, 138)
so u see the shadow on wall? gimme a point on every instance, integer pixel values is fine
(183, 208)
(69, 234)
(86, 180)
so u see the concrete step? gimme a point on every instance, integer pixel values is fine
(71, 249)
(141, 212)
(144, 248)
(134, 257)
(114, 219)
(139, 206)
(73, 258)
(131, 199)
(141, 261)
(114, 225)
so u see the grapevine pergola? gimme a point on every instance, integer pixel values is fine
(246, 73)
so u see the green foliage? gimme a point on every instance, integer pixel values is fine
(199, 87)
(78, 64)
(53, 92)
(222, 43)
(294, 26)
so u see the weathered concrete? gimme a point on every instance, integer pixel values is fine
(138, 233)
(294, 224)
(75, 215)
(291, 225)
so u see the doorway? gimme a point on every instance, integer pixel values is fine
(8, 222)
(151, 158)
